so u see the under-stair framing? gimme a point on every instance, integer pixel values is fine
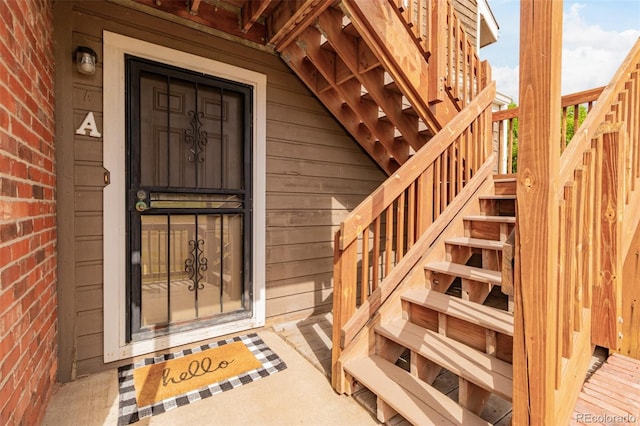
(389, 93)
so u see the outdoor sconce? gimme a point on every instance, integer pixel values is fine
(86, 59)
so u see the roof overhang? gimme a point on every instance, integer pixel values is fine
(488, 24)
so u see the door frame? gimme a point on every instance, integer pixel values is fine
(114, 195)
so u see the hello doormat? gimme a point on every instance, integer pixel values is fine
(155, 385)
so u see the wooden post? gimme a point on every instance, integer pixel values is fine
(344, 303)
(607, 304)
(535, 338)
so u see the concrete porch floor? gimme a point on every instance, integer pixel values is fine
(300, 394)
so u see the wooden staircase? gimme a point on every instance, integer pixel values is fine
(470, 335)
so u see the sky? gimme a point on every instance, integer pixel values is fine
(597, 36)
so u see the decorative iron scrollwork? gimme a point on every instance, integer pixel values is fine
(196, 138)
(196, 264)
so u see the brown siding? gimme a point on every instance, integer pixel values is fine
(28, 349)
(315, 173)
(467, 11)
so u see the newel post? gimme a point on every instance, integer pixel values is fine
(536, 310)
(344, 303)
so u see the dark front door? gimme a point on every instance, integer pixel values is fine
(189, 199)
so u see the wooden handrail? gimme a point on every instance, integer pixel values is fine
(389, 284)
(385, 194)
(440, 35)
(506, 121)
(375, 238)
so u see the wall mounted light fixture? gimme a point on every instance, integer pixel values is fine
(86, 59)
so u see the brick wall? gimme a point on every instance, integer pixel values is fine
(27, 211)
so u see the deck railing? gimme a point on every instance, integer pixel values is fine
(454, 65)
(506, 124)
(598, 199)
(375, 237)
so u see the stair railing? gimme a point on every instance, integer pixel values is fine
(598, 211)
(506, 126)
(451, 55)
(381, 231)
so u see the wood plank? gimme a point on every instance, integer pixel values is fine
(607, 304)
(483, 370)
(464, 271)
(415, 400)
(537, 203)
(476, 243)
(483, 316)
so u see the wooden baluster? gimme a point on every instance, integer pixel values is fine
(589, 228)
(400, 219)
(388, 247)
(451, 42)
(375, 262)
(411, 216)
(437, 183)
(563, 130)
(568, 281)
(451, 185)
(444, 160)
(510, 145)
(462, 150)
(560, 299)
(464, 75)
(365, 289)
(581, 197)
(439, 45)
(468, 138)
(419, 21)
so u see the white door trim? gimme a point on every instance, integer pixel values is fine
(114, 210)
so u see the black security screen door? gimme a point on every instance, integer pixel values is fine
(189, 199)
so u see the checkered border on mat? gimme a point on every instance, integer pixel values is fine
(128, 410)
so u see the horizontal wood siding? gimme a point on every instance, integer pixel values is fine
(467, 11)
(315, 174)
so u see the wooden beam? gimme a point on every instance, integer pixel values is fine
(292, 17)
(366, 111)
(350, 51)
(218, 18)
(294, 56)
(535, 338)
(251, 12)
(383, 31)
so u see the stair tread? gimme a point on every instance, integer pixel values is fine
(505, 219)
(465, 271)
(475, 313)
(415, 400)
(476, 243)
(482, 369)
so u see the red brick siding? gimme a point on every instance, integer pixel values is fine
(28, 336)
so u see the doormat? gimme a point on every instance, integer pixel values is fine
(155, 385)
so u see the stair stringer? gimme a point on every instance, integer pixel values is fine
(363, 344)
